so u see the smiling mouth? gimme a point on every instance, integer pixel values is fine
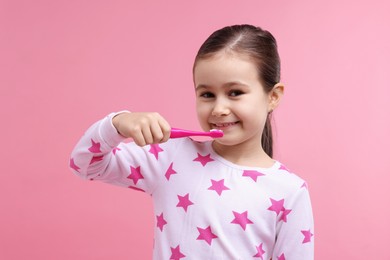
(222, 125)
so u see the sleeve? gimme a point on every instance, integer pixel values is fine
(295, 229)
(102, 154)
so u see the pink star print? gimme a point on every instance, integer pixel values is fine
(135, 174)
(115, 150)
(96, 159)
(304, 185)
(161, 222)
(95, 147)
(277, 206)
(206, 234)
(241, 219)
(284, 168)
(73, 165)
(169, 172)
(260, 251)
(218, 186)
(155, 149)
(281, 257)
(176, 254)
(252, 174)
(184, 201)
(203, 159)
(307, 235)
(285, 212)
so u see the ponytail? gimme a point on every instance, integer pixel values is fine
(266, 137)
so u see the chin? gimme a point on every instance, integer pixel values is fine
(226, 142)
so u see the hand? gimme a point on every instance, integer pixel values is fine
(143, 127)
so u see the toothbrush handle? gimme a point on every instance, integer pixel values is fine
(177, 133)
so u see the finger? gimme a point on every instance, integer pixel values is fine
(147, 134)
(166, 129)
(138, 138)
(156, 132)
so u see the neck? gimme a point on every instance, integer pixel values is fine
(246, 154)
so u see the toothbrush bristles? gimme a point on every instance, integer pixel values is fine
(216, 132)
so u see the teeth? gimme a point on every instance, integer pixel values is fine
(224, 124)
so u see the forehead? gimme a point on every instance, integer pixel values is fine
(225, 67)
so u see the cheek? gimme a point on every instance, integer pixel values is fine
(201, 107)
(202, 111)
(254, 110)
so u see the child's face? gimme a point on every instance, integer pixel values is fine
(230, 97)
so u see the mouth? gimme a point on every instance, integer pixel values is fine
(223, 125)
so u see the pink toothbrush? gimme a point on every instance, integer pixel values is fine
(177, 133)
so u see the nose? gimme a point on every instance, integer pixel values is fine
(221, 108)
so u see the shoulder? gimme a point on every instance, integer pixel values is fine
(284, 180)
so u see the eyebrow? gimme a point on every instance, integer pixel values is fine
(226, 85)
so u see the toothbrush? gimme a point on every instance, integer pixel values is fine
(177, 133)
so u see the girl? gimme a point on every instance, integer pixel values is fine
(220, 199)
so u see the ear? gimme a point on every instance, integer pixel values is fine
(274, 96)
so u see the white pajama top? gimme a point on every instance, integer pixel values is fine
(205, 207)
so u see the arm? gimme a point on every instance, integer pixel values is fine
(295, 229)
(102, 155)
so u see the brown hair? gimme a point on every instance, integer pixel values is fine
(261, 47)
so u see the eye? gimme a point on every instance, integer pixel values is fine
(206, 95)
(235, 93)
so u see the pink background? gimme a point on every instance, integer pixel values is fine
(65, 64)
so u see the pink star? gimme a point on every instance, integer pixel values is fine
(241, 219)
(96, 159)
(285, 212)
(161, 222)
(184, 201)
(115, 150)
(284, 168)
(281, 257)
(252, 174)
(203, 159)
(155, 149)
(260, 251)
(277, 206)
(307, 235)
(176, 254)
(218, 186)
(135, 174)
(73, 165)
(304, 185)
(206, 234)
(169, 172)
(95, 147)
